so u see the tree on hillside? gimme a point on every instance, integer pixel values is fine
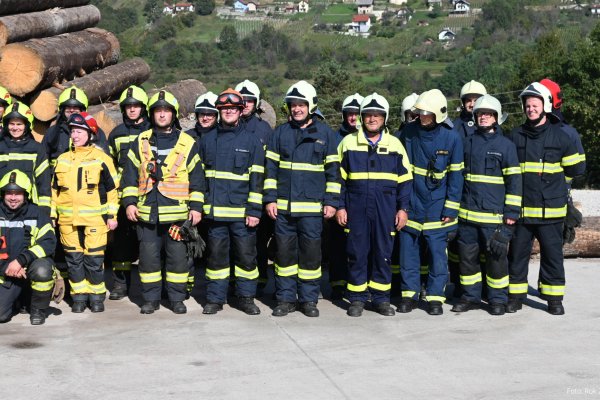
(546, 58)
(152, 10)
(333, 83)
(228, 39)
(204, 7)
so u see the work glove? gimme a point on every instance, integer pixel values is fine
(451, 235)
(58, 293)
(572, 221)
(497, 244)
(195, 243)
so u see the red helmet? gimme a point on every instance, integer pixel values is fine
(83, 120)
(553, 87)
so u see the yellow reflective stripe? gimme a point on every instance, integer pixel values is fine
(282, 204)
(395, 269)
(18, 157)
(294, 166)
(570, 160)
(470, 279)
(343, 173)
(42, 286)
(518, 288)
(206, 208)
(456, 167)
(254, 197)
(257, 168)
(539, 167)
(273, 156)
(309, 274)
(429, 225)
(286, 271)
(332, 158)
(197, 196)
(44, 230)
(386, 176)
(357, 288)
(552, 290)
(150, 277)
(499, 283)
(511, 170)
(44, 201)
(393, 233)
(307, 207)
(512, 200)
(424, 172)
(537, 212)
(424, 269)
(408, 293)
(38, 251)
(211, 173)
(215, 274)
(41, 168)
(242, 273)
(441, 299)
(229, 212)
(485, 179)
(79, 287)
(175, 277)
(477, 216)
(452, 205)
(270, 183)
(332, 187)
(96, 289)
(130, 191)
(383, 287)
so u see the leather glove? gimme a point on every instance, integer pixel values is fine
(572, 221)
(194, 241)
(451, 235)
(58, 293)
(497, 244)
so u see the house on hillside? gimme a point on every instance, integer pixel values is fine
(446, 34)
(365, 6)
(172, 9)
(361, 23)
(398, 2)
(461, 7)
(431, 3)
(245, 6)
(303, 6)
(595, 10)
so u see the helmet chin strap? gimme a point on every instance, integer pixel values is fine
(535, 122)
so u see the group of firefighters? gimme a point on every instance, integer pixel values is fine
(405, 212)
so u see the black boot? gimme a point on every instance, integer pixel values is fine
(97, 306)
(497, 309)
(464, 306)
(150, 306)
(212, 308)
(356, 309)
(435, 308)
(246, 304)
(337, 293)
(514, 305)
(119, 291)
(555, 307)
(78, 306)
(385, 309)
(283, 308)
(309, 309)
(407, 305)
(37, 316)
(178, 307)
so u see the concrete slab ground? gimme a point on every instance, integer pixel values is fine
(122, 354)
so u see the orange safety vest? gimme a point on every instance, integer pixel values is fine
(175, 182)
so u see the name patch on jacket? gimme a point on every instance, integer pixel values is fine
(442, 152)
(242, 150)
(382, 150)
(494, 153)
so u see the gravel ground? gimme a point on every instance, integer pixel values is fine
(588, 202)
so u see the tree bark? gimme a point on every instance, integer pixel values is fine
(586, 243)
(20, 6)
(39, 129)
(17, 28)
(186, 92)
(99, 86)
(40, 63)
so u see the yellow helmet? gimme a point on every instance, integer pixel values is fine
(472, 88)
(303, 91)
(133, 95)
(15, 180)
(164, 99)
(74, 97)
(432, 102)
(5, 97)
(20, 111)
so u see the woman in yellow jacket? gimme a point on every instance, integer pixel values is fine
(85, 205)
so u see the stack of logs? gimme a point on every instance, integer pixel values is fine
(47, 46)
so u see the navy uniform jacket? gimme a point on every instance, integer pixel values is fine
(464, 124)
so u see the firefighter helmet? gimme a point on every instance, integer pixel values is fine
(554, 88)
(133, 95)
(432, 102)
(303, 91)
(74, 97)
(249, 89)
(5, 97)
(230, 98)
(540, 91)
(15, 180)
(206, 103)
(472, 88)
(490, 104)
(163, 98)
(18, 110)
(375, 102)
(83, 120)
(408, 105)
(352, 103)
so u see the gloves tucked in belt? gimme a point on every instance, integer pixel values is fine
(572, 221)
(497, 244)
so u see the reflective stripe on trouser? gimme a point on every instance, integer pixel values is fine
(235, 238)
(338, 260)
(410, 264)
(552, 272)
(298, 258)
(41, 276)
(369, 246)
(472, 240)
(154, 239)
(84, 252)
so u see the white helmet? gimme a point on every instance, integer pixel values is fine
(407, 105)
(488, 103)
(472, 88)
(540, 91)
(375, 102)
(249, 89)
(303, 91)
(432, 102)
(352, 103)
(206, 103)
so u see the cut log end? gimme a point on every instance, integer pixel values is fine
(20, 69)
(45, 105)
(3, 35)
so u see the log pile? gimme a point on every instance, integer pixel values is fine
(586, 243)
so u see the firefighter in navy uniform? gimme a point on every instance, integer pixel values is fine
(26, 244)
(301, 187)
(574, 217)
(163, 186)
(436, 155)
(376, 188)
(254, 124)
(469, 93)
(234, 168)
(335, 243)
(19, 150)
(547, 156)
(489, 208)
